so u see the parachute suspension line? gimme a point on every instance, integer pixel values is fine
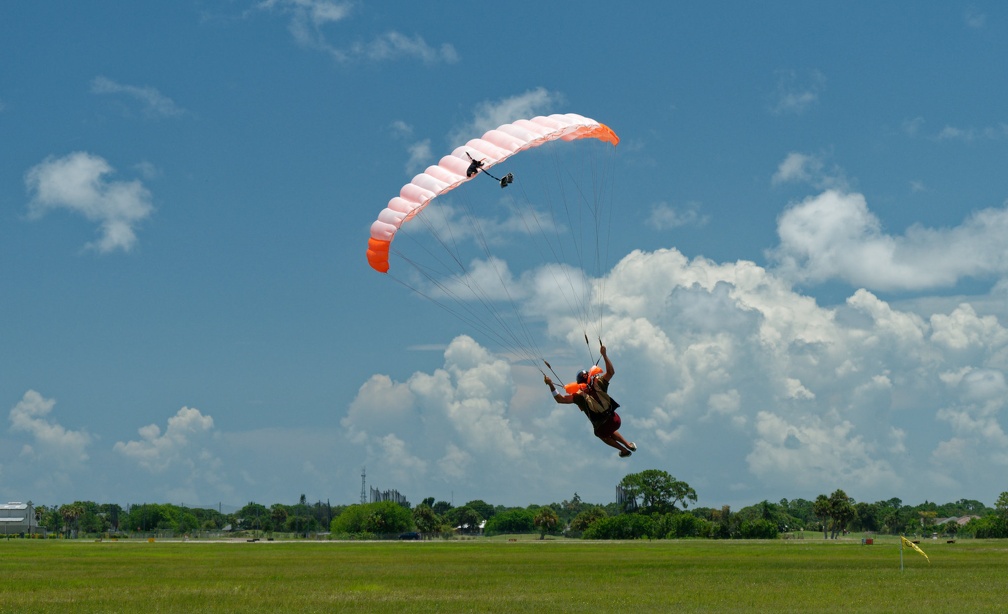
(562, 274)
(521, 332)
(529, 338)
(579, 302)
(465, 313)
(521, 340)
(459, 275)
(593, 305)
(468, 316)
(577, 233)
(603, 193)
(601, 199)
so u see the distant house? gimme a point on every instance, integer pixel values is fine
(17, 518)
(959, 521)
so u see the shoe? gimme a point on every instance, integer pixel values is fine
(624, 453)
(632, 446)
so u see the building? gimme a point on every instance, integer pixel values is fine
(17, 518)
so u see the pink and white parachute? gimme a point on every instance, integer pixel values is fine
(493, 147)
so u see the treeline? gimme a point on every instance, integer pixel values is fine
(89, 518)
(653, 504)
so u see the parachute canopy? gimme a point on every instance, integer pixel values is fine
(492, 148)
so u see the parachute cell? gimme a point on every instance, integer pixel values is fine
(492, 148)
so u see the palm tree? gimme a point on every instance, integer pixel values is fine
(821, 509)
(426, 521)
(546, 519)
(39, 512)
(70, 513)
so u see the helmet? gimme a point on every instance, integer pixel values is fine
(582, 377)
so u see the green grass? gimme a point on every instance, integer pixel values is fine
(496, 575)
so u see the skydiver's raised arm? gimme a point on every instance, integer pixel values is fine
(609, 370)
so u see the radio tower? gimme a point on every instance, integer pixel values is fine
(363, 492)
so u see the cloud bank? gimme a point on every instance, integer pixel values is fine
(834, 235)
(736, 382)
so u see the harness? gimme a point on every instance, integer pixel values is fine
(598, 400)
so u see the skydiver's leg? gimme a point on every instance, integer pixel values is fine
(605, 432)
(616, 435)
(611, 441)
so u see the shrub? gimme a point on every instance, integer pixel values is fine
(514, 521)
(686, 525)
(624, 526)
(759, 528)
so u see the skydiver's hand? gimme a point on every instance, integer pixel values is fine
(547, 380)
(602, 350)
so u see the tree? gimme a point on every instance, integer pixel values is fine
(685, 524)
(465, 519)
(724, 524)
(511, 521)
(800, 510)
(379, 518)
(426, 521)
(927, 519)
(70, 513)
(624, 526)
(987, 527)
(821, 509)
(278, 514)
(657, 491)
(388, 518)
(1001, 506)
(894, 516)
(841, 511)
(484, 509)
(587, 518)
(40, 512)
(867, 517)
(252, 516)
(759, 528)
(546, 519)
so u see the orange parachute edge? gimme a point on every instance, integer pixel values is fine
(606, 134)
(377, 254)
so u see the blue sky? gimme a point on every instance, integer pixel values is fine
(806, 280)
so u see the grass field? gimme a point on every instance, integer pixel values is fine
(497, 575)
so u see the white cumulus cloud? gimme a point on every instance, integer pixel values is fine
(79, 183)
(49, 439)
(181, 442)
(834, 235)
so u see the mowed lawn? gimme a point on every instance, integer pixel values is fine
(497, 575)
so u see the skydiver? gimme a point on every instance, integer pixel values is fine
(475, 166)
(594, 401)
